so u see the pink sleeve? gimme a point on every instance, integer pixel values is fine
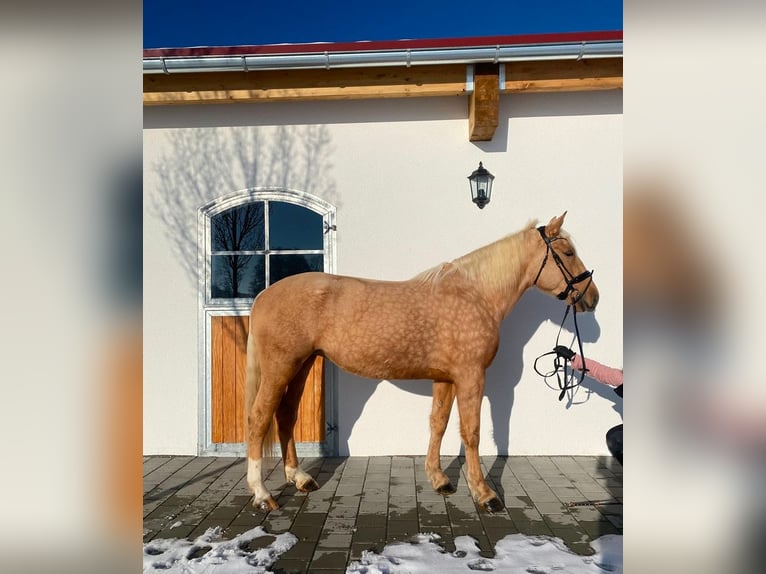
(599, 372)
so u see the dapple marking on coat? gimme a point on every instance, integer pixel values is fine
(442, 325)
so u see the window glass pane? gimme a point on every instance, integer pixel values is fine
(237, 276)
(294, 227)
(285, 265)
(239, 229)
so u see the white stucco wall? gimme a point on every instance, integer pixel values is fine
(396, 171)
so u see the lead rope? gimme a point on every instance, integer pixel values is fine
(562, 369)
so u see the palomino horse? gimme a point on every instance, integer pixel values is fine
(442, 325)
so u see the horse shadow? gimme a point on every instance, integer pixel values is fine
(504, 374)
(532, 310)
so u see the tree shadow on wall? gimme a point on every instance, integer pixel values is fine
(533, 309)
(203, 164)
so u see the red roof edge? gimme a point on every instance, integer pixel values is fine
(365, 46)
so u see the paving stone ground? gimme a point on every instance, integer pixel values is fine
(364, 503)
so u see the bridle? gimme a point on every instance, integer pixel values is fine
(562, 352)
(568, 277)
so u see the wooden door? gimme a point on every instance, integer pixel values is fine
(229, 346)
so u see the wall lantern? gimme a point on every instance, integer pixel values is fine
(481, 186)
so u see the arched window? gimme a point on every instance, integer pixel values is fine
(259, 237)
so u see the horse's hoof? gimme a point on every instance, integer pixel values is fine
(492, 505)
(308, 486)
(266, 505)
(446, 489)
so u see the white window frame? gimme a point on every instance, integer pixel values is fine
(209, 307)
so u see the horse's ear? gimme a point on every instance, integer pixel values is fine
(554, 225)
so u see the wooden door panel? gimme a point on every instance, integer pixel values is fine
(310, 426)
(219, 358)
(240, 361)
(229, 347)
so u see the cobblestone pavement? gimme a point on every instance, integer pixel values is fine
(363, 503)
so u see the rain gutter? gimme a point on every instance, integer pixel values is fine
(410, 56)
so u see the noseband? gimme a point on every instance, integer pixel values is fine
(564, 354)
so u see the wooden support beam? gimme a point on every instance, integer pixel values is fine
(281, 85)
(484, 102)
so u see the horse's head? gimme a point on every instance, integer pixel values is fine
(561, 272)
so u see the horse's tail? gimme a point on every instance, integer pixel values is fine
(252, 384)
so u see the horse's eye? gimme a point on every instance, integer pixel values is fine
(569, 253)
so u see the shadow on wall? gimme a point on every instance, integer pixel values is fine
(202, 164)
(532, 310)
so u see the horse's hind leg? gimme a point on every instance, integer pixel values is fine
(259, 420)
(287, 413)
(469, 395)
(258, 417)
(444, 396)
(271, 389)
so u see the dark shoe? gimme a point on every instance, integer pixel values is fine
(614, 442)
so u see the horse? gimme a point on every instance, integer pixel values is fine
(442, 325)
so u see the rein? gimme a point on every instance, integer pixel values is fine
(564, 354)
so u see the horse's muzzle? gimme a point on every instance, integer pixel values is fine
(588, 301)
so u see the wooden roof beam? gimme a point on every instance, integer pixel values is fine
(385, 82)
(284, 85)
(563, 75)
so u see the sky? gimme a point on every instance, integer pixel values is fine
(186, 23)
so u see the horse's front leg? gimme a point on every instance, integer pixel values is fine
(444, 396)
(469, 395)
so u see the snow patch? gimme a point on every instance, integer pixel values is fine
(210, 554)
(514, 554)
